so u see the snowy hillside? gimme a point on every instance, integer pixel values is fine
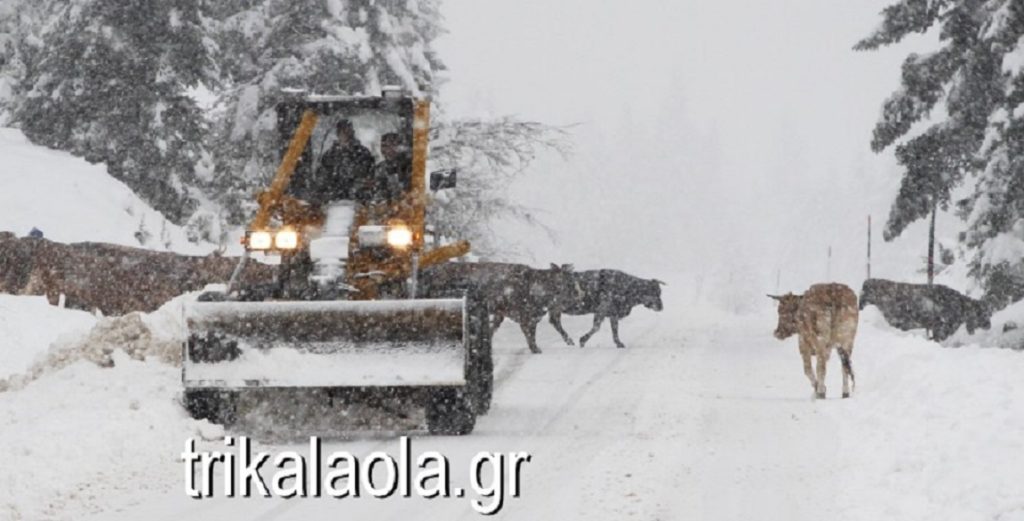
(71, 200)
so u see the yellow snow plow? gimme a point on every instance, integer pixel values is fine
(345, 313)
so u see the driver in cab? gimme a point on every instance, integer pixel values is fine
(345, 167)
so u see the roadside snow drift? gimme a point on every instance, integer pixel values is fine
(81, 420)
(934, 433)
(29, 325)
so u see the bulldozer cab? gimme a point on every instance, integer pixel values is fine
(351, 189)
(356, 145)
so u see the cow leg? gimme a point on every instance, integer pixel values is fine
(598, 318)
(822, 356)
(846, 379)
(556, 321)
(529, 327)
(845, 352)
(809, 371)
(805, 353)
(614, 321)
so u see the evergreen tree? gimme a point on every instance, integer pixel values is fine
(111, 84)
(979, 74)
(965, 74)
(995, 211)
(23, 24)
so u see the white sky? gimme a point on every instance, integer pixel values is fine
(714, 136)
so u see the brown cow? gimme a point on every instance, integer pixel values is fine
(824, 317)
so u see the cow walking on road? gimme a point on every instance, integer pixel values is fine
(515, 291)
(609, 294)
(824, 317)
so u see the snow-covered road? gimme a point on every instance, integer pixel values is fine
(708, 419)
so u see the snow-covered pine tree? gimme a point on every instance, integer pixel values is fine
(21, 23)
(995, 211)
(964, 74)
(110, 83)
(979, 73)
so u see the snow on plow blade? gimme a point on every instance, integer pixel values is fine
(325, 344)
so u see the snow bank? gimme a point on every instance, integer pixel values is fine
(97, 417)
(139, 337)
(29, 325)
(71, 200)
(85, 438)
(1007, 331)
(127, 335)
(932, 433)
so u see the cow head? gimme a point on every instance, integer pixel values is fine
(789, 305)
(978, 317)
(650, 295)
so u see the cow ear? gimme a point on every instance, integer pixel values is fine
(568, 267)
(775, 297)
(555, 267)
(659, 282)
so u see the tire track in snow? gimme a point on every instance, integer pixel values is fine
(579, 392)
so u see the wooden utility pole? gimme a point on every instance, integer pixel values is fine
(931, 243)
(828, 265)
(869, 246)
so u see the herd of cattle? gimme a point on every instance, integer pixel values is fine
(825, 318)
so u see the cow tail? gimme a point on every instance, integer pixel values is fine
(844, 357)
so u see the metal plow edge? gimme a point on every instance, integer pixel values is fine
(325, 344)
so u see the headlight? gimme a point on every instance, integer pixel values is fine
(372, 235)
(399, 236)
(259, 241)
(286, 240)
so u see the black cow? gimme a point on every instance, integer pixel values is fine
(609, 294)
(937, 308)
(516, 291)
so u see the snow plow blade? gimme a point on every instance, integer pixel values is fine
(396, 343)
